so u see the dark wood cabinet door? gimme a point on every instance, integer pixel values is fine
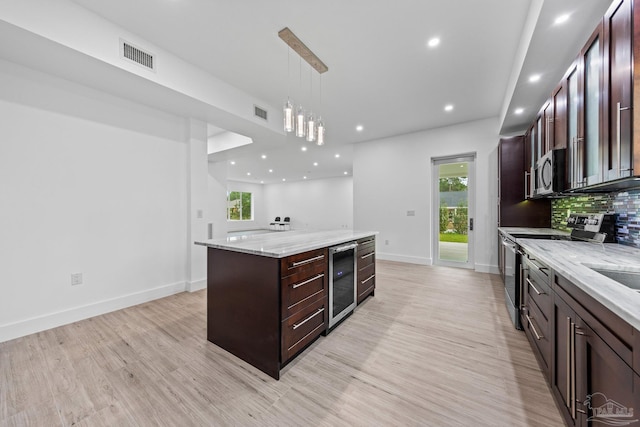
(559, 119)
(592, 108)
(548, 123)
(619, 75)
(606, 385)
(561, 373)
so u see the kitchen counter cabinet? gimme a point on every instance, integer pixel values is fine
(267, 298)
(366, 277)
(593, 355)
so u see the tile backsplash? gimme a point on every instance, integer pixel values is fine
(626, 204)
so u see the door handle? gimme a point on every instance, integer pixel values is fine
(470, 224)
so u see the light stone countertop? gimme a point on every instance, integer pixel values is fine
(516, 232)
(571, 259)
(281, 244)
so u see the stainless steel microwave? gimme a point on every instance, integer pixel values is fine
(550, 172)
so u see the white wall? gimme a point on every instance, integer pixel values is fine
(321, 204)
(105, 198)
(393, 175)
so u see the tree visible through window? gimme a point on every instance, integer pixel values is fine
(239, 206)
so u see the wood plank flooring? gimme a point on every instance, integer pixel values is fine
(434, 347)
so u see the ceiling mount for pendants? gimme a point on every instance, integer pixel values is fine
(301, 49)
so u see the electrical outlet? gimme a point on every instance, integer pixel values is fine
(76, 279)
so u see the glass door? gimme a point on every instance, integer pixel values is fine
(453, 203)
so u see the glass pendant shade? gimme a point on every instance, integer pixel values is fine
(311, 128)
(301, 124)
(320, 132)
(288, 116)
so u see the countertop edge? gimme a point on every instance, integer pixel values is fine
(292, 249)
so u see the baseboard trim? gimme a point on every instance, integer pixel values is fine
(487, 268)
(48, 321)
(403, 258)
(196, 285)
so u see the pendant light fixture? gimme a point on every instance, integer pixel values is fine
(311, 122)
(320, 125)
(304, 125)
(288, 106)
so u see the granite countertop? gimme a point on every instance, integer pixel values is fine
(284, 243)
(572, 259)
(522, 232)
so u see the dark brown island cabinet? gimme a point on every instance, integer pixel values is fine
(589, 356)
(266, 310)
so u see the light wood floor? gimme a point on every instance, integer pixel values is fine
(434, 347)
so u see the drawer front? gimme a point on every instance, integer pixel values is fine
(366, 255)
(366, 281)
(303, 263)
(302, 288)
(540, 293)
(303, 327)
(537, 328)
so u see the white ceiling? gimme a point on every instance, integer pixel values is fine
(381, 73)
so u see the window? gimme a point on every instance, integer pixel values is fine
(239, 206)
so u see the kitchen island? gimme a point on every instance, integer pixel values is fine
(267, 294)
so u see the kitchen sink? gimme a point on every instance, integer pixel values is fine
(627, 277)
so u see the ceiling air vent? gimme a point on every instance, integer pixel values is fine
(260, 112)
(137, 55)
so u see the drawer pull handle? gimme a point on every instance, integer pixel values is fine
(367, 255)
(297, 285)
(533, 286)
(533, 328)
(307, 261)
(297, 325)
(537, 267)
(367, 241)
(366, 280)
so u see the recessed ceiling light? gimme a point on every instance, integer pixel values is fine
(433, 42)
(315, 163)
(264, 156)
(337, 156)
(346, 173)
(270, 170)
(303, 148)
(304, 177)
(359, 128)
(534, 78)
(248, 173)
(261, 182)
(561, 19)
(284, 179)
(448, 107)
(232, 162)
(518, 111)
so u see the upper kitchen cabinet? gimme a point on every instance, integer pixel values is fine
(593, 132)
(548, 113)
(618, 36)
(558, 134)
(514, 186)
(573, 125)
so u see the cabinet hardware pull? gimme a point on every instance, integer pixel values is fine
(572, 347)
(533, 328)
(521, 283)
(369, 278)
(367, 255)
(367, 241)
(346, 247)
(619, 109)
(533, 286)
(568, 396)
(526, 179)
(306, 261)
(581, 411)
(297, 285)
(579, 332)
(537, 267)
(297, 325)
